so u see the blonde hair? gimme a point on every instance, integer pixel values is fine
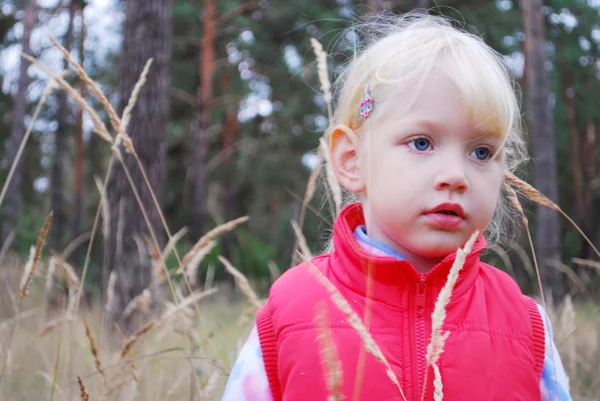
(403, 49)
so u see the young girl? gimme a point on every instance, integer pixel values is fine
(426, 124)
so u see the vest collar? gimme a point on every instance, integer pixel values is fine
(356, 263)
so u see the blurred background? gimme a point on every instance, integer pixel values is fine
(228, 124)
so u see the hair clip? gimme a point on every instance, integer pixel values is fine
(366, 104)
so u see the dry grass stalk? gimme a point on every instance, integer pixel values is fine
(323, 74)
(356, 324)
(529, 191)
(94, 350)
(191, 269)
(332, 367)
(301, 241)
(513, 199)
(438, 339)
(50, 86)
(110, 292)
(438, 386)
(104, 206)
(51, 325)
(100, 128)
(130, 363)
(587, 263)
(135, 337)
(135, 94)
(74, 245)
(332, 180)
(197, 258)
(536, 196)
(242, 282)
(36, 258)
(141, 302)
(71, 278)
(98, 94)
(155, 323)
(171, 246)
(211, 235)
(83, 394)
(28, 266)
(211, 386)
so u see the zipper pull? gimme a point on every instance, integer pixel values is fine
(420, 303)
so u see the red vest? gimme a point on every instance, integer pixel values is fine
(495, 350)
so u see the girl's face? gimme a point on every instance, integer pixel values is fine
(426, 175)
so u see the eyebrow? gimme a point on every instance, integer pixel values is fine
(480, 129)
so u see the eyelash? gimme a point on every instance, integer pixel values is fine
(490, 155)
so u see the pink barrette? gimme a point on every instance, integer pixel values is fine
(366, 104)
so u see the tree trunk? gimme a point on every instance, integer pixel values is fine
(11, 203)
(548, 241)
(77, 210)
(60, 143)
(147, 33)
(204, 96)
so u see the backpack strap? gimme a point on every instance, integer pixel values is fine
(268, 345)
(538, 335)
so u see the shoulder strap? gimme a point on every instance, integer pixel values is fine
(268, 345)
(538, 334)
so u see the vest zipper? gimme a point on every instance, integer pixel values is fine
(420, 343)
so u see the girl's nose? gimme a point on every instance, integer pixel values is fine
(452, 176)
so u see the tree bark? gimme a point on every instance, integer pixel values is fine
(60, 143)
(77, 210)
(147, 33)
(548, 242)
(13, 193)
(204, 96)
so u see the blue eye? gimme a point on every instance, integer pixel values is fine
(481, 153)
(420, 144)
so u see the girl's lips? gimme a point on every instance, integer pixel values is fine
(444, 221)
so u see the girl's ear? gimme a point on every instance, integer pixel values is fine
(343, 153)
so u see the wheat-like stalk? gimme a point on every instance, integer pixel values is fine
(51, 325)
(323, 74)
(536, 196)
(98, 94)
(330, 362)
(36, 258)
(242, 282)
(438, 386)
(357, 324)
(197, 257)
(332, 180)
(82, 390)
(100, 128)
(135, 94)
(94, 351)
(141, 301)
(209, 236)
(438, 339)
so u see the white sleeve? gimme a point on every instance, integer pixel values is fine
(248, 379)
(554, 383)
